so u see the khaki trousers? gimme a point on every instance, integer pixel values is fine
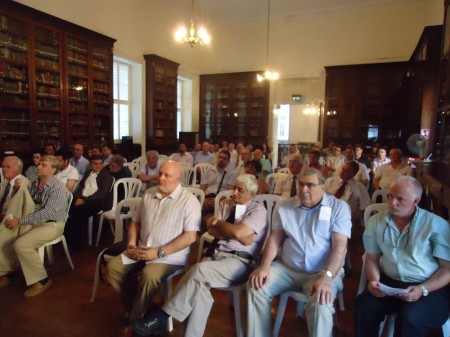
(8, 257)
(137, 283)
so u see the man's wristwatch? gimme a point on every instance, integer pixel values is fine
(161, 253)
(328, 273)
(424, 290)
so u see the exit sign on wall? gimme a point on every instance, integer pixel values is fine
(297, 98)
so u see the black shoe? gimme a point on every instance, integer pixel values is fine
(149, 325)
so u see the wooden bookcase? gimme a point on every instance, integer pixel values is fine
(161, 103)
(55, 82)
(234, 107)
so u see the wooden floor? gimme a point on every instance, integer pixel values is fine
(65, 309)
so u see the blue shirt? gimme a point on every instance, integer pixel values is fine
(307, 245)
(409, 256)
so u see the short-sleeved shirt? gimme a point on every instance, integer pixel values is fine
(69, 173)
(409, 256)
(389, 174)
(187, 158)
(377, 162)
(204, 158)
(164, 219)
(335, 162)
(362, 174)
(255, 216)
(307, 245)
(81, 164)
(212, 178)
(284, 184)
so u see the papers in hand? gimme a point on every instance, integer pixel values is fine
(389, 291)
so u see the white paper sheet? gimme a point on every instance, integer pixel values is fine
(126, 259)
(389, 291)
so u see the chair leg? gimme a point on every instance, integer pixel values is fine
(49, 254)
(341, 300)
(90, 225)
(280, 314)
(96, 276)
(100, 227)
(66, 250)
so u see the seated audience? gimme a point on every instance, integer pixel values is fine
(162, 229)
(346, 188)
(266, 165)
(312, 231)
(362, 175)
(44, 224)
(12, 167)
(407, 248)
(204, 156)
(292, 150)
(148, 174)
(67, 174)
(387, 173)
(287, 186)
(381, 159)
(266, 151)
(229, 260)
(93, 195)
(118, 171)
(107, 155)
(31, 172)
(183, 156)
(254, 168)
(49, 149)
(362, 158)
(78, 161)
(332, 162)
(245, 156)
(314, 162)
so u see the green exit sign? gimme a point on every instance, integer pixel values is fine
(297, 98)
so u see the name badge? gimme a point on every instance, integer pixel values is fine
(325, 213)
(240, 210)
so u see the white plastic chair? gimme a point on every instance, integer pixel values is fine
(48, 246)
(141, 161)
(119, 217)
(2, 178)
(272, 179)
(91, 218)
(202, 167)
(134, 168)
(131, 187)
(284, 170)
(199, 194)
(372, 209)
(187, 176)
(383, 193)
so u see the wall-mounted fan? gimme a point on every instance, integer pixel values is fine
(417, 145)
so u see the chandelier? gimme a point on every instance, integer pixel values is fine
(200, 37)
(268, 75)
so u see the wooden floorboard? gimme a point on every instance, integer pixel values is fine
(65, 309)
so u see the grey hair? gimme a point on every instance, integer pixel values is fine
(249, 181)
(19, 162)
(118, 160)
(314, 172)
(298, 157)
(412, 182)
(152, 151)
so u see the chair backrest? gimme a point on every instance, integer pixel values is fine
(134, 168)
(199, 194)
(372, 209)
(222, 195)
(284, 170)
(69, 202)
(162, 158)
(202, 167)
(187, 176)
(131, 188)
(380, 193)
(184, 164)
(141, 161)
(271, 180)
(131, 203)
(1, 175)
(269, 201)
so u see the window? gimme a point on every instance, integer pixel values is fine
(184, 104)
(179, 106)
(121, 88)
(283, 122)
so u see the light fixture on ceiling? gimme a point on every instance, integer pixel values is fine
(268, 74)
(200, 36)
(313, 109)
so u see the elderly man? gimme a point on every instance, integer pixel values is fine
(292, 150)
(182, 156)
(118, 171)
(12, 170)
(92, 196)
(346, 188)
(408, 249)
(287, 186)
(266, 165)
(217, 180)
(148, 174)
(204, 156)
(387, 173)
(239, 228)
(67, 174)
(312, 230)
(159, 236)
(245, 156)
(78, 161)
(362, 175)
(44, 224)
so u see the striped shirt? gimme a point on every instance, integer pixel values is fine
(50, 202)
(164, 219)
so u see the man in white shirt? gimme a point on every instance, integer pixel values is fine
(388, 173)
(183, 156)
(292, 150)
(362, 175)
(204, 156)
(346, 188)
(148, 174)
(245, 155)
(334, 161)
(287, 186)
(78, 161)
(67, 174)
(12, 171)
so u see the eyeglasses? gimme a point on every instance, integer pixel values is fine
(308, 185)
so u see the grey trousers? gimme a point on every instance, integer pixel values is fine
(192, 297)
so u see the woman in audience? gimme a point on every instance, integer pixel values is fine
(254, 167)
(266, 151)
(31, 172)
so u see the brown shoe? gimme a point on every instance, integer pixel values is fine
(37, 289)
(4, 281)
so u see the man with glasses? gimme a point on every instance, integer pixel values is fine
(407, 248)
(239, 228)
(312, 230)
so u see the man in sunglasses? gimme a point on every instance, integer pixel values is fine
(312, 229)
(407, 249)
